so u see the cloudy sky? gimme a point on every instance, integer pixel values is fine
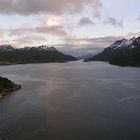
(74, 26)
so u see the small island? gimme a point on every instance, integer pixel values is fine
(7, 86)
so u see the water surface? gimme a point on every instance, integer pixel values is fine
(71, 101)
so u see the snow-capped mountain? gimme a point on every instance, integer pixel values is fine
(41, 48)
(118, 47)
(47, 48)
(41, 54)
(6, 48)
(124, 43)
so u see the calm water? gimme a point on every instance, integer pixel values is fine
(71, 101)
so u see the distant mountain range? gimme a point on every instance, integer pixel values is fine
(123, 52)
(86, 56)
(41, 54)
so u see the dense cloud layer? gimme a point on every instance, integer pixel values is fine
(100, 42)
(27, 7)
(56, 30)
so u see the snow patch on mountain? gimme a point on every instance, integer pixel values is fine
(6, 48)
(124, 43)
(40, 48)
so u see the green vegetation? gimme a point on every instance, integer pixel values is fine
(129, 58)
(33, 55)
(7, 86)
(122, 52)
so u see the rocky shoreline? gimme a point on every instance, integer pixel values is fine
(7, 86)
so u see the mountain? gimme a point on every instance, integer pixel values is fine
(41, 54)
(86, 56)
(123, 52)
(6, 48)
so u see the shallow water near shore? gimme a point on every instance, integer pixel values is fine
(71, 101)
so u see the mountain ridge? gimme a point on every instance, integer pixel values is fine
(40, 54)
(120, 50)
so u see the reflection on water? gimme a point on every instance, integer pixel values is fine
(71, 101)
